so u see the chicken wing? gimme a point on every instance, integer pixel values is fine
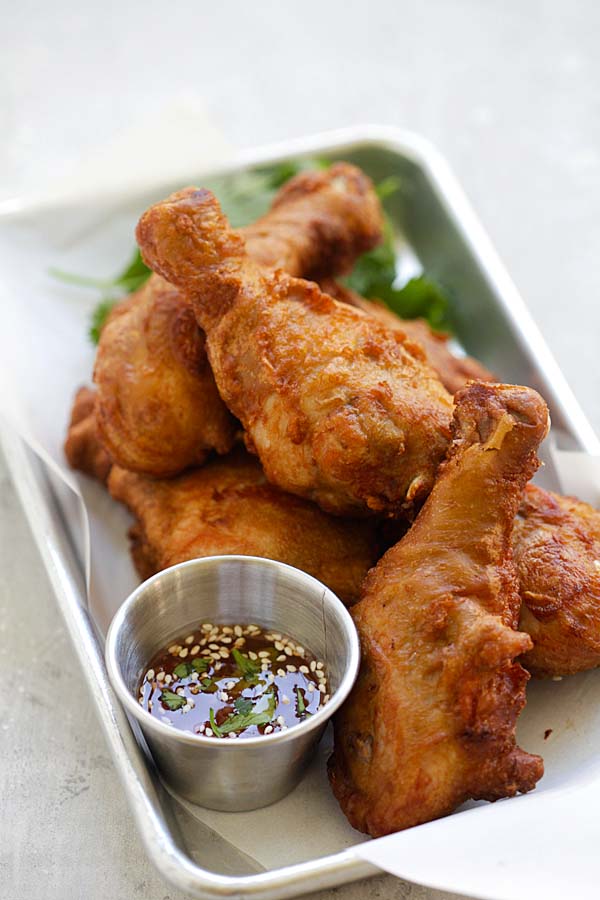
(228, 506)
(159, 410)
(82, 446)
(556, 546)
(339, 408)
(431, 720)
(453, 371)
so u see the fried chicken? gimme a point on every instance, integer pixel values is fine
(453, 371)
(556, 546)
(340, 409)
(159, 410)
(431, 720)
(228, 507)
(82, 447)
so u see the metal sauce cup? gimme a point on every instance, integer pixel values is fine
(229, 590)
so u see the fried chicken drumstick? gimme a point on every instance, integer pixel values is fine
(431, 720)
(82, 445)
(228, 506)
(556, 546)
(158, 408)
(453, 371)
(339, 408)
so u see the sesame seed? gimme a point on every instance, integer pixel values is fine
(320, 665)
(264, 667)
(207, 626)
(232, 734)
(238, 630)
(270, 678)
(285, 699)
(240, 642)
(268, 729)
(253, 628)
(281, 672)
(183, 653)
(224, 696)
(160, 676)
(168, 679)
(195, 649)
(263, 654)
(227, 629)
(230, 685)
(326, 698)
(150, 674)
(300, 650)
(313, 665)
(141, 701)
(226, 640)
(224, 653)
(218, 665)
(311, 686)
(195, 689)
(304, 670)
(278, 645)
(214, 647)
(276, 637)
(557, 678)
(280, 720)
(186, 707)
(291, 668)
(180, 691)
(281, 657)
(174, 649)
(252, 654)
(322, 688)
(189, 639)
(208, 732)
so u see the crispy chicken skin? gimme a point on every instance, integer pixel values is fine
(339, 408)
(556, 546)
(318, 223)
(159, 410)
(82, 446)
(453, 371)
(431, 720)
(228, 506)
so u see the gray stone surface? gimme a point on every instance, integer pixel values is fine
(507, 90)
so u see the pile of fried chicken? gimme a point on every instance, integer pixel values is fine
(247, 403)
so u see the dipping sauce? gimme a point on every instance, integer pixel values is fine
(233, 681)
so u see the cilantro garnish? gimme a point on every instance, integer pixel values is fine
(238, 720)
(200, 664)
(301, 704)
(182, 670)
(243, 705)
(249, 668)
(172, 700)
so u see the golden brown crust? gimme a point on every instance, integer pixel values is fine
(453, 371)
(159, 410)
(339, 408)
(431, 720)
(82, 446)
(556, 546)
(228, 507)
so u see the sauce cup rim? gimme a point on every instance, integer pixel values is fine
(149, 722)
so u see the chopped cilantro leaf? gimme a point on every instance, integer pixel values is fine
(172, 700)
(249, 668)
(200, 664)
(243, 705)
(182, 670)
(238, 721)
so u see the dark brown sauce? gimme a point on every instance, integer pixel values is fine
(233, 681)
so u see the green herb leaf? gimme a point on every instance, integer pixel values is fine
(172, 700)
(182, 670)
(213, 723)
(300, 704)
(243, 705)
(200, 664)
(239, 721)
(420, 297)
(208, 686)
(249, 668)
(98, 319)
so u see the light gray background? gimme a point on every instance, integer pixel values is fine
(508, 90)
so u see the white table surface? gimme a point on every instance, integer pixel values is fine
(508, 90)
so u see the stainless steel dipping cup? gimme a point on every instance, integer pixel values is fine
(250, 772)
